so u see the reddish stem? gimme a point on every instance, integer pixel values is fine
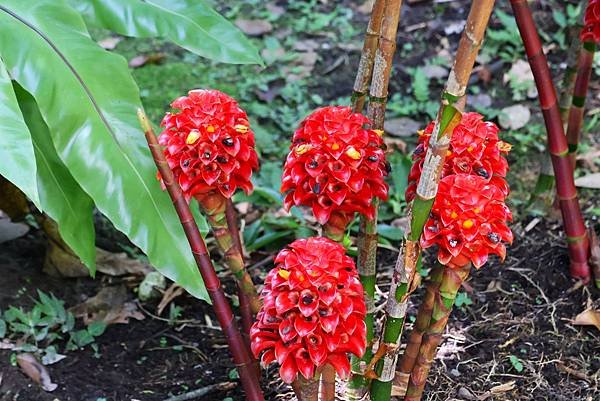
(245, 304)
(237, 346)
(584, 71)
(577, 239)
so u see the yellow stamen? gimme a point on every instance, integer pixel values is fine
(335, 146)
(504, 146)
(210, 129)
(421, 132)
(302, 149)
(284, 273)
(468, 224)
(192, 137)
(379, 132)
(241, 128)
(353, 153)
(454, 215)
(448, 153)
(470, 149)
(477, 210)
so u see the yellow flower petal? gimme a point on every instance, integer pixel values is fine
(302, 149)
(241, 128)
(353, 153)
(284, 273)
(192, 137)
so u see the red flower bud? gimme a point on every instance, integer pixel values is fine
(474, 149)
(591, 23)
(335, 164)
(468, 221)
(313, 311)
(208, 144)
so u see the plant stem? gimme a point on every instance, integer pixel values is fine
(575, 121)
(452, 278)
(358, 385)
(214, 206)
(222, 309)
(387, 17)
(577, 239)
(449, 116)
(246, 311)
(422, 322)
(543, 194)
(367, 57)
(328, 383)
(306, 389)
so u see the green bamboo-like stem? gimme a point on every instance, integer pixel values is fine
(449, 115)
(577, 239)
(366, 242)
(452, 279)
(237, 346)
(214, 206)
(422, 322)
(543, 193)
(367, 57)
(575, 121)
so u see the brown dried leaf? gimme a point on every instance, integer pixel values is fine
(109, 306)
(36, 371)
(254, 27)
(500, 389)
(119, 264)
(142, 60)
(588, 317)
(170, 294)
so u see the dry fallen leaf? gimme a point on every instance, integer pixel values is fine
(110, 43)
(170, 294)
(142, 60)
(502, 388)
(591, 181)
(588, 317)
(109, 306)
(594, 253)
(36, 371)
(254, 27)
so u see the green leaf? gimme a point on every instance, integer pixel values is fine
(2, 328)
(516, 363)
(88, 99)
(390, 232)
(420, 85)
(192, 24)
(96, 328)
(16, 150)
(61, 197)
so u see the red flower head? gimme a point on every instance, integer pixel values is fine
(313, 311)
(335, 164)
(474, 149)
(591, 23)
(468, 221)
(209, 144)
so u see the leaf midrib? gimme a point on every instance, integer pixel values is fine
(91, 99)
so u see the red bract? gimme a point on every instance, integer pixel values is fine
(591, 23)
(468, 221)
(313, 311)
(475, 148)
(209, 144)
(335, 164)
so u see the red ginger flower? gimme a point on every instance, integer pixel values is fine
(591, 23)
(209, 144)
(335, 165)
(313, 311)
(468, 221)
(475, 148)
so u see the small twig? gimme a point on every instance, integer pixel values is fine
(190, 395)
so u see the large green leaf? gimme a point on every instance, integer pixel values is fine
(192, 24)
(60, 196)
(88, 100)
(16, 151)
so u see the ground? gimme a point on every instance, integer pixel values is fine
(513, 338)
